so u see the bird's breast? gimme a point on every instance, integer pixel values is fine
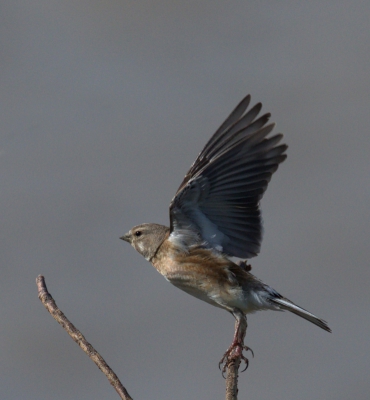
(202, 274)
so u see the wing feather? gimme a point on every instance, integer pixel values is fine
(218, 200)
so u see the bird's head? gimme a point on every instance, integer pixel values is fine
(146, 238)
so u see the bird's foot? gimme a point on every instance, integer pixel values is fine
(244, 264)
(234, 352)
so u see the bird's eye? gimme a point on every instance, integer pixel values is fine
(138, 233)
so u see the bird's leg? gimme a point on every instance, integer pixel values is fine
(235, 351)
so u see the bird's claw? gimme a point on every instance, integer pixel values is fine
(234, 352)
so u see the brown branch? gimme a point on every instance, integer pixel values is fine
(234, 363)
(77, 336)
(232, 380)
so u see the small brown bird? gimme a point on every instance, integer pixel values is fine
(215, 218)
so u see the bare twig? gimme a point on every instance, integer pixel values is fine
(77, 336)
(233, 366)
(232, 380)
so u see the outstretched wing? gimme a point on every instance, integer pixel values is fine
(218, 200)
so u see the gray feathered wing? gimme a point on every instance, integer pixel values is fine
(218, 199)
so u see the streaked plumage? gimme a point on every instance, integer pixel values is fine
(215, 216)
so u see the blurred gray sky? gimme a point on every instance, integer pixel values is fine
(104, 106)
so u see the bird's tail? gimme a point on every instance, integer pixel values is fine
(285, 304)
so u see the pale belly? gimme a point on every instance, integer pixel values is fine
(194, 291)
(219, 295)
(212, 282)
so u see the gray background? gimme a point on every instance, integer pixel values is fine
(104, 106)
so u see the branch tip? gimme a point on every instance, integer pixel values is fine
(49, 303)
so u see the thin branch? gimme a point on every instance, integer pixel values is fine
(234, 363)
(232, 380)
(77, 336)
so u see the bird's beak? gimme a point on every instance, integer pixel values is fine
(126, 237)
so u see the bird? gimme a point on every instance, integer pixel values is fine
(216, 224)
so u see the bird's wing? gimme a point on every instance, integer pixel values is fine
(218, 200)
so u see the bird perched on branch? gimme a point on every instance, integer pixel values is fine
(215, 217)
